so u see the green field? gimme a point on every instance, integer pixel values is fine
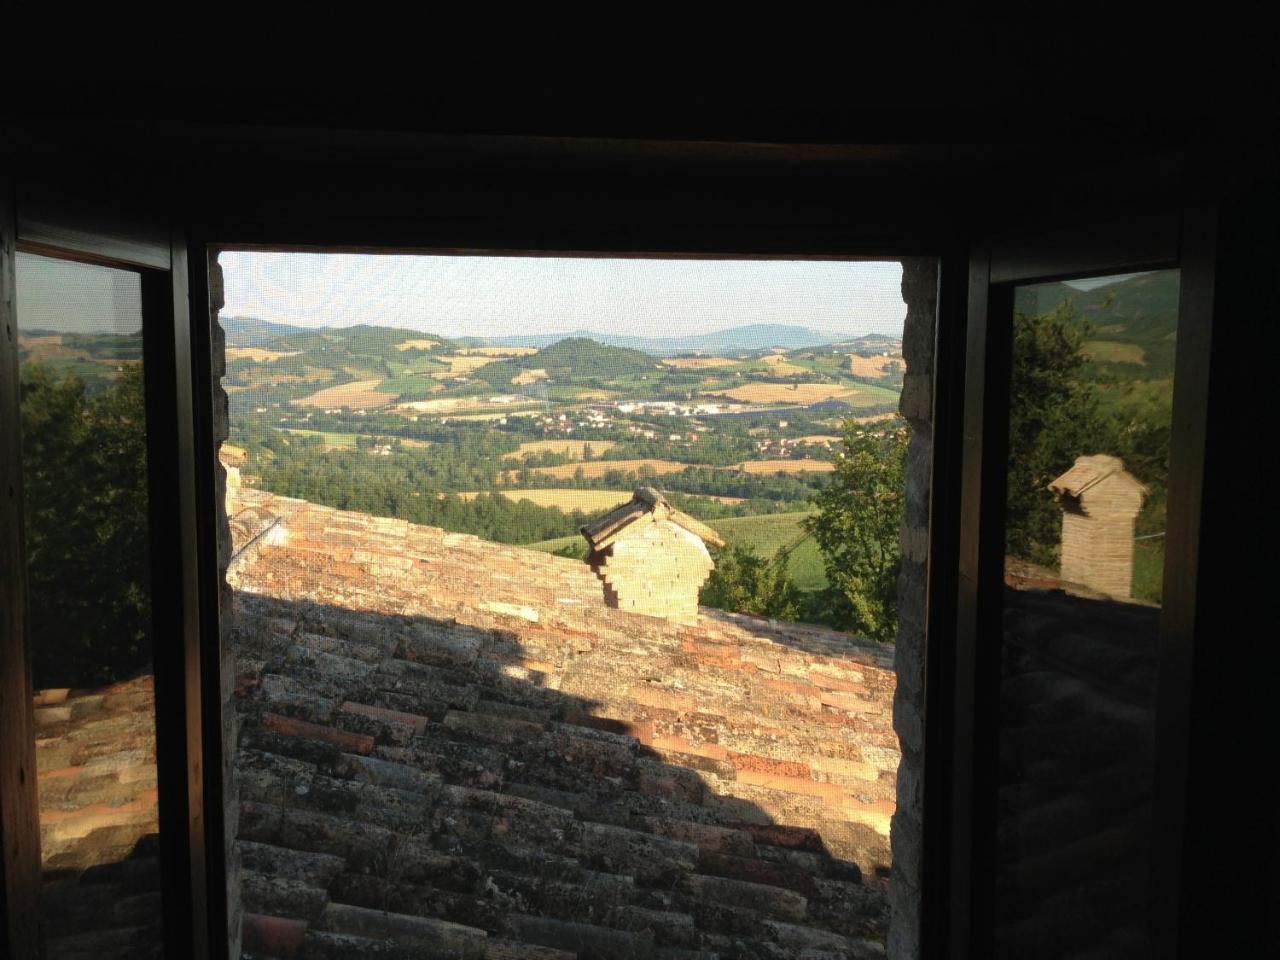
(1148, 570)
(871, 396)
(330, 439)
(763, 534)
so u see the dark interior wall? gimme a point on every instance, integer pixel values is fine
(409, 190)
(1229, 900)
(314, 186)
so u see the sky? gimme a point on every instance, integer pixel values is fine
(457, 296)
(67, 297)
(1092, 283)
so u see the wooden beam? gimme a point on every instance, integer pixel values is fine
(20, 933)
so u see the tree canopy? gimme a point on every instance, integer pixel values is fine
(746, 582)
(1054, 417)
(857, 528)
(88, 557)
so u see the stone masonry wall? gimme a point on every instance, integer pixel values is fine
(920, 291)
(230, 726)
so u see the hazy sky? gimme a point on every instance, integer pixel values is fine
(498, 296)
(71, 297)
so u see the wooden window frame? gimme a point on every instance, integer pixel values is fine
(187, 738)
(1178, 238)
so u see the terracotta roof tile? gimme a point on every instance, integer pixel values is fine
(455, 731)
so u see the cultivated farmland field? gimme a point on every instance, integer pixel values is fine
(525, 377)
(872, 366)
(461, 365)
(1114, 351)
(806, 465)
(258, 354)
(797, 393)
(820, 438)
(587, 501)
(570, 448)
(359, 394)
(697, 363)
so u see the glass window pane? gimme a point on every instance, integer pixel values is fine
(85, 477)
(1090, 407)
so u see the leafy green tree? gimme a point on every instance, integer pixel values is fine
(745, 582)
(1054, 417)
(857, 529)
(85, 478)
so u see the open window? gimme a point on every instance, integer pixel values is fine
(472, 517)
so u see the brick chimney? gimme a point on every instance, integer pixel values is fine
(1099, 500)
(652, 558)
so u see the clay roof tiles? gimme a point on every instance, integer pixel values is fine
(646, 504)
(451, 747)
(1088, 472)
(454, 744)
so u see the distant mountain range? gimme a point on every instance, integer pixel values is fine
(748, 338)
(251, 332)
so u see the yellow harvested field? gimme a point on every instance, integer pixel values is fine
(51, 347)
(571, 448)
(30, 342)
(1113, 351)
(498, 351)
(819, 438)
(801, 393)
(697, 363)
(529, 376)
(872, 366)
(460, 366)
(598, 468)
(357, 395)
(588, 501)
(786, 466)
(258, 354)
(778, 365)
(417, 344)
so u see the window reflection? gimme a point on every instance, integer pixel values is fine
(1090, 408)
(85, 478)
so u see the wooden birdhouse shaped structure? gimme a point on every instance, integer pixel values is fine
(1100, 500)
(652, 558)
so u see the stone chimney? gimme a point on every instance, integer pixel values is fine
(652, 558)
(233, 458)
(1099, 501)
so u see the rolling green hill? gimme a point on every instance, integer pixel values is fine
(577, 357)
(1139, 312)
